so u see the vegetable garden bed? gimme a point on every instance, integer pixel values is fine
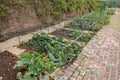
(62, 33)
(46, 54)
(73, 34)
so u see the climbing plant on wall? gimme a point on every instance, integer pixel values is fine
(54, 8)
(57, 7)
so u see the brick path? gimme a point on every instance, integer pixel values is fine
(100, 59)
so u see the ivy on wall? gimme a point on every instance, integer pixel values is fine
(57, 7)
(54, 8)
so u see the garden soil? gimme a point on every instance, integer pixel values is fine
(7, 61)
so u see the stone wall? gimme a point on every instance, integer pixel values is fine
(19, 19)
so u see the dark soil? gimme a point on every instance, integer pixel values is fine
(7, 61)
(62, 33)
(29, 48)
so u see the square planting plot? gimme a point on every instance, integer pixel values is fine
(63, 33)
(73, 34)
(7, 61)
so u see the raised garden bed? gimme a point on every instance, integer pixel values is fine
(7, 61)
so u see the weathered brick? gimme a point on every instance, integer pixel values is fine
(72, 78)
(82, 73)
(79, 78)
(75, 65)
(67, 73)
(70, 68)
(76, 73)
(63, 78)
(90, 77)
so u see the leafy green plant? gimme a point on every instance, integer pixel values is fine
(74, 33)
(86, 37)
(73, 50)
(25, 77)
(34, 64)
